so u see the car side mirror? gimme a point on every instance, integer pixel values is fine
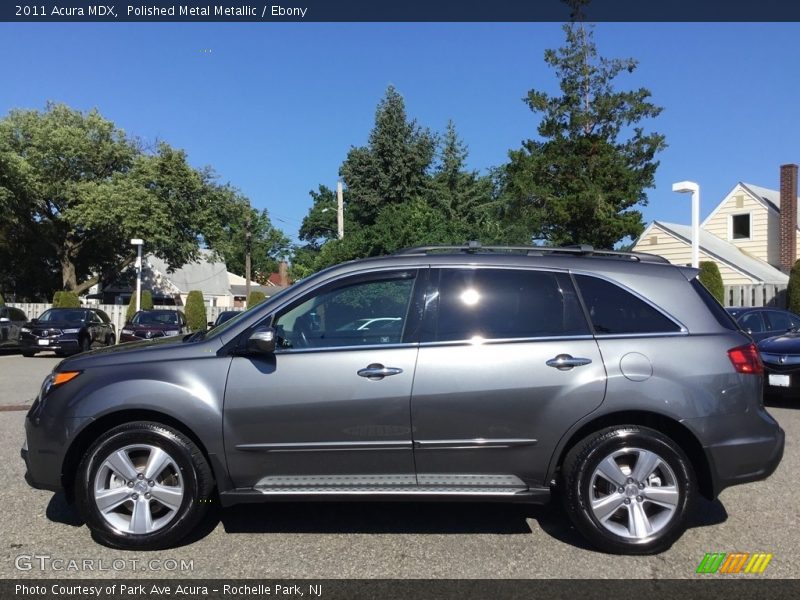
(262, 341)
(210, 324)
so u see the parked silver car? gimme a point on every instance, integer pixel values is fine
(612, 380)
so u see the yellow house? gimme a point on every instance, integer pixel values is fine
(751, 234)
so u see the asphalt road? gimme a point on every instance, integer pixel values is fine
(21, 377)
(384, 540)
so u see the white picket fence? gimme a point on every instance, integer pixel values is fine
(764, 294)
(115, 312)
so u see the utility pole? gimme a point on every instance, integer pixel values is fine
(247, 244)
(339, 209)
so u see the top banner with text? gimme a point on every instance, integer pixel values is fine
(399, 11)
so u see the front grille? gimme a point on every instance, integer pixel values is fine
(43, 333)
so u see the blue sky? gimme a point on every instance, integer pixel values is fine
(274, 108)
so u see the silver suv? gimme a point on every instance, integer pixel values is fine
(614, 381)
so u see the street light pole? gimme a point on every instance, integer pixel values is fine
(683, 187)
(138, 243)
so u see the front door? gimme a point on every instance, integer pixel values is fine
(330, 409)
(507, 363)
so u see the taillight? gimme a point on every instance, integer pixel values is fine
(746, 359)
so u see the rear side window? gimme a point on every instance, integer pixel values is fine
(779, 321)
(720, 314)
(506, 304)
(752, 321)
(614, 310)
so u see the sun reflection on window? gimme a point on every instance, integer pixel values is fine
(470, 297)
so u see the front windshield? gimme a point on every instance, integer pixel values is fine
(155, 317)
(69, 315)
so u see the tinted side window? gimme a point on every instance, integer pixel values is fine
(361, 313)
(752, 321)
(614, 310)
(505, 303)
(778, 321)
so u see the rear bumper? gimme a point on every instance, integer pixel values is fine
(740, 448)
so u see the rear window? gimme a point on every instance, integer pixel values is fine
(614, 310)
(720, 314)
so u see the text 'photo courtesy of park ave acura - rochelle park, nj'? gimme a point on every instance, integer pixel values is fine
(360, 301)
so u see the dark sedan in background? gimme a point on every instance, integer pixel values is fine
(151, 324)
(781, 358)
(762, 322)
(11, 321)
(67, 331)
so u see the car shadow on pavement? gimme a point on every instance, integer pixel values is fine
(60, 511)
(774, 401)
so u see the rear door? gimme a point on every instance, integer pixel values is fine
(507, 363)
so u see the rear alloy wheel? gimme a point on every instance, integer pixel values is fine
(143, 485)
(629, 489)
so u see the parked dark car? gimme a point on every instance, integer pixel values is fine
(615, 380)
(151, 324)
(225, 315)
(762, 323)
(67, 331)
(781, 356)
(11, 321)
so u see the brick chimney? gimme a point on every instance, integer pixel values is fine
(788, 222)
(283, 268)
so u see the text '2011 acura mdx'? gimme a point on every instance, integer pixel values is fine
(612, 380)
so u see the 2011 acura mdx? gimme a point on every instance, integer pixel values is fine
(612, 380)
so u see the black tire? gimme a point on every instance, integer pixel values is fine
(196, 476)
(84, 345)
(111, 340)
(585, 457)
(28, 353)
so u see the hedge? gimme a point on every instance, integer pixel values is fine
(255, 298)
(711, 278)
(196, 311)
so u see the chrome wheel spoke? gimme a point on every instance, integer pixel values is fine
(611, 471)
(121, 464)
(110, 499)
(666, 496)
(646, 463)
(604, 507)
(638, 521)
(141, 519)
(156, 463)
(169, 496)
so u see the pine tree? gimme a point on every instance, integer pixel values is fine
(582, 180)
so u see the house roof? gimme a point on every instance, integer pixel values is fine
(208, 275)
(727, 253)
(268, 290)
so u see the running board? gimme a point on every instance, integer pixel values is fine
(376, 493)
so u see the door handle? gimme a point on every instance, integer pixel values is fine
(377, 371)
(565, 362)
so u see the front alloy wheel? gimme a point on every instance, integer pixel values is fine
(628, 489)
(143, 485)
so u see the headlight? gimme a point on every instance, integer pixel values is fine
(25, 329)
(169, 333)
(127, 331)
(71, 330)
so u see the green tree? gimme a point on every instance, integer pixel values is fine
(255, 298)
(394, 165)
(196, 311)
(793, 289)
(57, 299)
(711, 278)
(146, 304)
(2, 300)
(82, 188)
(582, 180)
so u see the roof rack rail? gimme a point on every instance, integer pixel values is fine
(474, 247)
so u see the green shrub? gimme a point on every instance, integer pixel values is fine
(711, 278)
(70, 300)
(196, 311)
(2, 300)
(255, 298)
(57, 299)
(146, 302)
(793, 290)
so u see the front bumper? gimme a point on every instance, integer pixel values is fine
(782, 380)
(61, 343)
